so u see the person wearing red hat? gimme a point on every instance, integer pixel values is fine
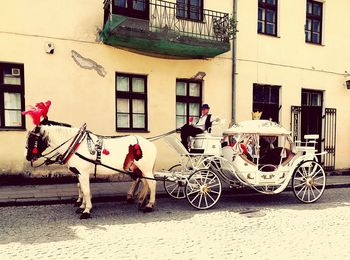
(204, 122)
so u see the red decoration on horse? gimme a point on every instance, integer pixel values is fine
(105, 152)
(40, 110)
(136, 151)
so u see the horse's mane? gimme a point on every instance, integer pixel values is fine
(46, 121)
(58, 130)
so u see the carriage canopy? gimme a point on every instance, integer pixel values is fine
(260, 127)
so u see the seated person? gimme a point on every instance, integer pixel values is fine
(274, 156)
(204, 122)
(246, 149)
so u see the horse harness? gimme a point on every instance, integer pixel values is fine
(94, 148)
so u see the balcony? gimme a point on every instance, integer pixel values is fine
(164, 28)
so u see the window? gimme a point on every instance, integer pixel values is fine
(11, 96)
(131, 95)
(311, 98)
(266, 100)
(313, 27)
(132, 8)
(188, 101)
(267, 17)
(189, 9)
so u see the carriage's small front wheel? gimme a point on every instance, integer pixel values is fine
(309, 181)
(203, 189)
(175, 188)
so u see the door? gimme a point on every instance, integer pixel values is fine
(329, 133)
(311, 114)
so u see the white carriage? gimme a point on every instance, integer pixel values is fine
(258, 153)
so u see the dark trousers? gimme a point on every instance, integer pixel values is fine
(189, 130)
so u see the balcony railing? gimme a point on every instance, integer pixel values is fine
(171, 18)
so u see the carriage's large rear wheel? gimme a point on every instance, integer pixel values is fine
(203, 189)
(309, 181)
(175, 188)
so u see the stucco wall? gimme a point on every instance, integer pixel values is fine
(80, 95)
(287, 61)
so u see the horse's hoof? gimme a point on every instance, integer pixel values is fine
(77, 204)
(85, 215)
(147, 209)
(79, 211)
(130, 200)
(141, 205)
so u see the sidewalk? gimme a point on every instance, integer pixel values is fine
(108, 191)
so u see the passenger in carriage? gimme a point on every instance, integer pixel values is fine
(205, 121)
(247, 149)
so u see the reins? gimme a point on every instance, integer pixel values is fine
(63, 159)
(109, 167)
(154, 138)
(48, 160)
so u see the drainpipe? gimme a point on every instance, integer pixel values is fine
(234, 66)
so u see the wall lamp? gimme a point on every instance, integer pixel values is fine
(347, 80)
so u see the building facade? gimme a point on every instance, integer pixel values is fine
(145, 66)
(292, 63)
(123, 67)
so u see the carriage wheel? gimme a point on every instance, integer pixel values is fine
(175, 189)
(309, 181)
(203, 189)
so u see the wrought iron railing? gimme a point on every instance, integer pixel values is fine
(190, 21)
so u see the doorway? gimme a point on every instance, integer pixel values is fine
(311, 114)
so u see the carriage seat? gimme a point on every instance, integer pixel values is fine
(206, 143)
(216, 129)
(209, 142)
(308, 147)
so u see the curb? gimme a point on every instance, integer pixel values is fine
(226, 192)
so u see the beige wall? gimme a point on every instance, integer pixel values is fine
(291, 63)
(79, 95)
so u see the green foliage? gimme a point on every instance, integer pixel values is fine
(232, 28)
(225, 28)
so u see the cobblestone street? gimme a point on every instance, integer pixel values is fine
(242, 226)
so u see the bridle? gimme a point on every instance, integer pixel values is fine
(36, 135)
(49, 159)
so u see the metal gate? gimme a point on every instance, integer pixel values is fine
(329, 133)
(295, 123)
(330, 127)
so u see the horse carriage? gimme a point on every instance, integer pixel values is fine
(273, 161)
(258, 153)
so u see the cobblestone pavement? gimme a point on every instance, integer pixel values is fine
(239, 227)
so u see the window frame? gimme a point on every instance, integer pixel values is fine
(187, 10)
(130, 12)
(271, 106)
(130, 95)
(9, 88)
(308, 93)
(187, 98)
(270, 7)
(312, 17)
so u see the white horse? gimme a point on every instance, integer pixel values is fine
(133, 153)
